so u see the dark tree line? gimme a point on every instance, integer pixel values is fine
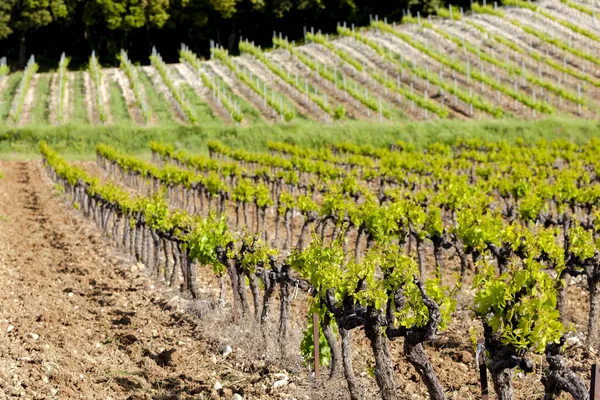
(46, 28)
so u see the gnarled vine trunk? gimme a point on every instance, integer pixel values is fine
(415, 353)
(353, 385)
(384, 371)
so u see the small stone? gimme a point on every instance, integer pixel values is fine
(465, 357)
(70, 294)
(410, 387)
(226, 351)
(33, 336)
(214, 395)
(280, 383)
(462, 367)
(236, 397)
(140, 266)
(227, 393)
(10, 329)
(134, 268)
(53, 391)
(217, 386)
(214, 359)
(574, 341)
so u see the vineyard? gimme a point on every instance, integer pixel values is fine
(450, 249)
(231, 237)
(525, 60)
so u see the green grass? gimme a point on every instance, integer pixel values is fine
(79, 141)
(159, 106)
(80, 111)
(201, 108)
(40, 109)
(8, 94)
(118, 105)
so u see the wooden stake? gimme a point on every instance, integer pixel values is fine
(316, 344)
(482, 369)
(595, 384)
(234, 278)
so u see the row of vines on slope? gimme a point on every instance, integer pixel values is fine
(62, 87)
(17, 107)
(275, 101)
(176, 92)
(96, 78)
(135, 84)
(225, 100)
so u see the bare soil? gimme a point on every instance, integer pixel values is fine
(76, 322)
(3, 82)
(90, 99)
(107, 74)
(28, 101)
(53, 102)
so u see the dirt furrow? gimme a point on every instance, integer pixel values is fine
(29, 100)
(90, 99)
(79, 321)
(53, 105)
(3, 81)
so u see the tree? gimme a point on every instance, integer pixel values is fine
(21, 17)
(121, 18)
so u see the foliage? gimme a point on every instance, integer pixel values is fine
(520, 305)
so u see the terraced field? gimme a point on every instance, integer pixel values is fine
(524, 60)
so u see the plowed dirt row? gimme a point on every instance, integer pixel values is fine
(77, 321)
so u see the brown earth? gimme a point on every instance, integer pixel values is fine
(80, 320)
(76, 322)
